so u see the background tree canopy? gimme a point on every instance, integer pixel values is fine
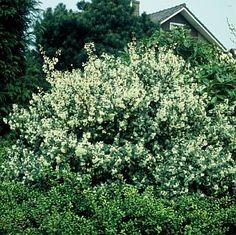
(15, 18)
(109, 24)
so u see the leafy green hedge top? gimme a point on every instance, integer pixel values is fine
(69, 208)
(141, 119)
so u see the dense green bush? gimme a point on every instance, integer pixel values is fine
(16, 17)
(143, 120)
(213, 67)
(71, 208)
(5, 144)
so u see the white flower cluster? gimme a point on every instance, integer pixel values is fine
(141, 119)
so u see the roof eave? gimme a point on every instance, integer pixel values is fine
(196, 23)
(169, 17)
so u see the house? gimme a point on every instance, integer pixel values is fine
(181, 16)
(233, 52)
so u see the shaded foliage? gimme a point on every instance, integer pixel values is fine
(109, 24)
(15, 18)
(61, 31)
(113, 24)
(71, 208)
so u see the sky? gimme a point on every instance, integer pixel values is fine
(212, 13)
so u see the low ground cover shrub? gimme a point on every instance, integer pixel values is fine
(71, 208)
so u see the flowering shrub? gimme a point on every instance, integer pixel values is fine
(214, 68)
(143, 120)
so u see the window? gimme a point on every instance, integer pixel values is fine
(174, 25)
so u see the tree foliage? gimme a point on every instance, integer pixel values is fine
(60, 31)
(109, 24)
(113, 24)
(15, 18)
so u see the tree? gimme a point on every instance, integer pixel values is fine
(15, 18)
(109, 24)
(62, 30)
(113, 24)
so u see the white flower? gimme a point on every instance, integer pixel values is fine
(79, 151)
(146, 116)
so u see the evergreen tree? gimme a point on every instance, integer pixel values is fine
(15, 18)
(113, 24)
(62, 30)
(109, 24)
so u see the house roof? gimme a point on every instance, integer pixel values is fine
(166, 14)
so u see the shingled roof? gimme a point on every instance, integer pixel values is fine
(162, 16)
(159, 16)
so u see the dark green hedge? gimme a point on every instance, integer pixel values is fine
(70, 208)
(5, 143)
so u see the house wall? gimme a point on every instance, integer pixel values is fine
(180, 19)
(183, 17)
(202, 37)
